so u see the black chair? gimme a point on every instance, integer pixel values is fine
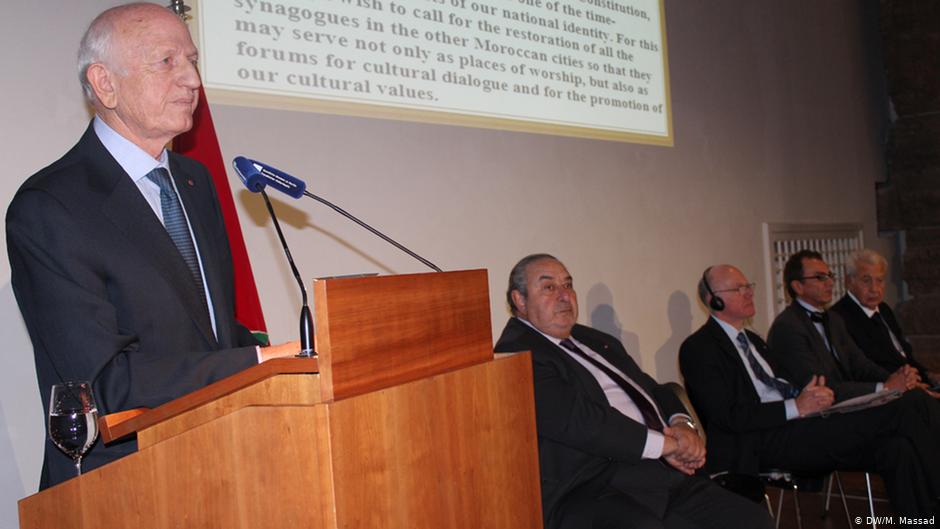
(755, 487)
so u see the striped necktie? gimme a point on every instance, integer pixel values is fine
(786, 389)
(178, 228)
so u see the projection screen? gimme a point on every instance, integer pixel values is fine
(586, 68)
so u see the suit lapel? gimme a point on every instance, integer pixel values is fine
(623, 363)
(603, 348)
(731, 353)
(723, 341)
(872, 332)
(819, 344)
(189, 189)
(892, 322)
(538, 343)
(126, 209)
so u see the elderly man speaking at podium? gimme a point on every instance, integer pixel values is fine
(119, 256)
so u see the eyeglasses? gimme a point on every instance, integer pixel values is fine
(743, 289)
(822, 278)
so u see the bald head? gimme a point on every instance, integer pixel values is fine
(104, 36)
(140, 65)
(732, 286)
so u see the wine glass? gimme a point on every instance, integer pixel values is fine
(73, 419)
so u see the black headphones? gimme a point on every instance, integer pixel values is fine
(717, 304)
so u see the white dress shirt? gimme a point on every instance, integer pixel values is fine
(616, 396)
(765, 392)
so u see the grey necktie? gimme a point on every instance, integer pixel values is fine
(785, 388)
(178, 228)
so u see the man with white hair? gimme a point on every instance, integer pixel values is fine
(869, 320)
(119, 255)
(756, 419)
(616, 449)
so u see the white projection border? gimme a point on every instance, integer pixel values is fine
(583, 68)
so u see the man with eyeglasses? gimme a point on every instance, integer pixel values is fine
(869, 320)
(808, 340)
(756, 420)
(616, 449)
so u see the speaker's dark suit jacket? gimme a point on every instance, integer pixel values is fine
(747, 436)
(106, 295)
(800, 351)
(872, 337)
(579, 433)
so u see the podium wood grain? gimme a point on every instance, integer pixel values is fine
(456, 450)
(126, 423)
(375, 332)
(405, 421)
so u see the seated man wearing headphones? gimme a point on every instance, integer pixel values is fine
(755, 420)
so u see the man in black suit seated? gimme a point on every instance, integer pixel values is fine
(616, 449)
(869, 320)
(756, 420)
(119, 255)
(807, 340)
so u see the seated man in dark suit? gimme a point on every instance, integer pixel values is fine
(119, 255)
(807, 340)
(755, 420)
(616, 449)
(869, 320)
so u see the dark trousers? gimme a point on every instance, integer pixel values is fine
(897, 441)
(652, 495)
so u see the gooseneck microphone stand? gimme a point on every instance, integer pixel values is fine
(306, 320)
(374, 231)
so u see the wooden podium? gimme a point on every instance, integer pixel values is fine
(404, 420)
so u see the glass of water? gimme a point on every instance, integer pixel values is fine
(73, 419)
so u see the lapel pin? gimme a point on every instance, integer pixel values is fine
(190, 182)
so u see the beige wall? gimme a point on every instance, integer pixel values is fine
(773, 122)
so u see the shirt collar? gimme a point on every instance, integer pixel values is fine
(135, 162)
(729, 329)
(554, 340)
(868, 312)
(808, 307)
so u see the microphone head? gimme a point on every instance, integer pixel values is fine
(277, 179)
(249, 173)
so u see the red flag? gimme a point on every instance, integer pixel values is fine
(202, 144)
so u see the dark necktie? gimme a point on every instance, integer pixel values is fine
(787, 390)
(646, 407)
(881, 327)
(178, 228)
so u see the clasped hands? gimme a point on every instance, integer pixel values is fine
(816, 396)
(907, 377)
(683, 449)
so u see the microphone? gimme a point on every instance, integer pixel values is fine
(256, 175)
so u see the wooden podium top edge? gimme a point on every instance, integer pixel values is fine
(252, 375)
(380, 277)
